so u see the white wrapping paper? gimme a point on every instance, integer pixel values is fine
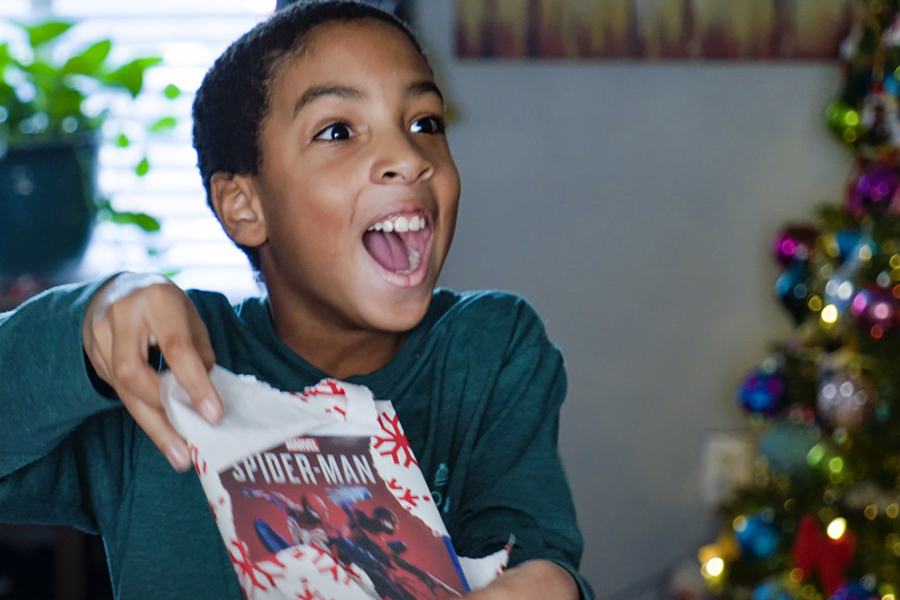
(318, 496)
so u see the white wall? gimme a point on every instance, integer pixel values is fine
(633, 204)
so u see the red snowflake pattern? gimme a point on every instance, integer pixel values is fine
(309, 594)
(326, 563)
(407, 495)
(199, 463)
(326, 386)
(248, 571)
(274, 561)
(302, 397)
(338, 410)
(212, 507)
(391, 426)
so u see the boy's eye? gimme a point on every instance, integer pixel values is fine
(428, 125)
(336, 132)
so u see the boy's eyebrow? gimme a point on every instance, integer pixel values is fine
(421, 88)
(318, 91)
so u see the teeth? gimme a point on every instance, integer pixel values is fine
(400, 224)
(415, 259)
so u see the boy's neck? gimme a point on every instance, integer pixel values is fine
(339, 352)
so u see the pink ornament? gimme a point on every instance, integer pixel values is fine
(876, 311)
(846, 401)
(874, 191)
(794, 242)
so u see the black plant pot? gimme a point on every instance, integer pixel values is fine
(46, 207)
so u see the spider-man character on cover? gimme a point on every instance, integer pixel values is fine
(364, 543)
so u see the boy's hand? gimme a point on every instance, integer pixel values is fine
(532, 580)
(132, 313)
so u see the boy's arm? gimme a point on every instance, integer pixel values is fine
(44, 389)
(533, 580)
(514, 481)
(54, 425)
(56, 430)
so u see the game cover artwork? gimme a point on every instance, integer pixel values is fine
(325, 495)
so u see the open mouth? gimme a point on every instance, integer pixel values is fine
(399, 242)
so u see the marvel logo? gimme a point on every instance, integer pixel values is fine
(302, 445)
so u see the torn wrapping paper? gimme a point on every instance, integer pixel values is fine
(318, 495)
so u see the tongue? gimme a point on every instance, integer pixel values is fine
(387, 249)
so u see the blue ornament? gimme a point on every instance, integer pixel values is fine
(852, 591)
(847, 242)
(891, 86)
(791, 288)
(761, 392)
(785, 447)
(771, 589)
(756, 537)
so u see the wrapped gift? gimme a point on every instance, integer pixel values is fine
(317, 494)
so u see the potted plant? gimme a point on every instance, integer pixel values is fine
(52, 107)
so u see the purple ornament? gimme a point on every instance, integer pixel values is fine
(794, 242)
(876, 311)
(761, 392)
(853, 591)
(874, 191)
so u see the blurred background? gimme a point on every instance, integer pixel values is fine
(632, 202)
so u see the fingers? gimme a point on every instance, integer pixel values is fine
(153, 420)
(190, 369)
(120, 328)
(137, 382)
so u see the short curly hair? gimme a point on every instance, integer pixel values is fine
(234, 99)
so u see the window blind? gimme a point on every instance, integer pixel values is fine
(188, 35)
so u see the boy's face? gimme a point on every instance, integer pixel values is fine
(354, 147)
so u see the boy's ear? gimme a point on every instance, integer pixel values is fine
(237, 204)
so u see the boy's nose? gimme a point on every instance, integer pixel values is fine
(401, 161)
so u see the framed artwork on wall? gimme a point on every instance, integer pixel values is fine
(653, 29)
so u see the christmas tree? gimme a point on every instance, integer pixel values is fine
(821, 518)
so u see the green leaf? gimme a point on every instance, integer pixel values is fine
(122, 141)
(40, 68)
(172, 91)
(5, 58)
(65, 102)
(171, 273)
(45, 32)
(7, 93)
(131, 75)
(90, 60)
(144, 221)
(164, 125)
(143, 167)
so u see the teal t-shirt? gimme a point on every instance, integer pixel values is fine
(477, 386)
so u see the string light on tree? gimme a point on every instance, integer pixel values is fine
(820, 519)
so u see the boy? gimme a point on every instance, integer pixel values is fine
(321, 143)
